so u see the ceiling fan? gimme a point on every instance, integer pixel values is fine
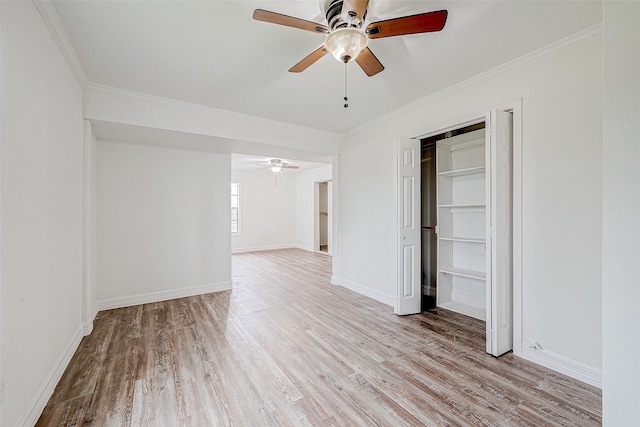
(276, 165)
(347, 34)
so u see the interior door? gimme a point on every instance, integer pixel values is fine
(409, 232)
(499, 317)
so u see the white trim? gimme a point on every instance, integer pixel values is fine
(39, 401)
(87, 326)
(265, 248)
(93, 312)
(590, 34)
(564, 365)
(3, 397)
(109, 304)
(389, 300)
(516, 230)
(60, 36)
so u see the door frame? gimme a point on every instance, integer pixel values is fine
(513, 106)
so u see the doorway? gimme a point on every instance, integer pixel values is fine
(323, 218)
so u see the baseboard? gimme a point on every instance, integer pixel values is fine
(109, 304)
(88, 325)
(35, 408)
(364, 290)
(275, 247)
(262, 248)
(87, 328)
(564, 365)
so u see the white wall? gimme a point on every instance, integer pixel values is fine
(267, 209)
(562, 199)
(621, 230)
(42, 207)
(305, 215)
(163, 222)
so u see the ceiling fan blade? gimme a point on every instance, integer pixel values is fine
(369, 63)
(289, 21)
(290, 167)
(355, 8)
(308, 60)
(421, 23)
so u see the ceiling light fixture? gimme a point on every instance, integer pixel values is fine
(345, 44)
(276, 165)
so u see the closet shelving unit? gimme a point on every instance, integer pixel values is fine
(462, 258)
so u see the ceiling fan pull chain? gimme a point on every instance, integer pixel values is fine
(346, 104)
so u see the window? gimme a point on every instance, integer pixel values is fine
(235, 208)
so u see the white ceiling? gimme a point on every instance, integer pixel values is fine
(213, 53)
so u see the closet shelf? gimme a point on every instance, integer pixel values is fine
(463, 239)
(463, 205)
(472, 274)
(462, 172)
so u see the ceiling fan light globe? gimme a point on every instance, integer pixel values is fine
(276, 168)
(345, 44)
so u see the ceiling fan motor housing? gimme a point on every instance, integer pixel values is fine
(333, 12)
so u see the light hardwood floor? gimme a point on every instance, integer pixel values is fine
(286, 347)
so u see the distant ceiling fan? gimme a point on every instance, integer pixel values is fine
(346, 33)
(276, 165)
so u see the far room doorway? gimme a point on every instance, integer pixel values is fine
(323, 218)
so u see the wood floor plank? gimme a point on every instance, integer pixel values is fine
(154, 402)
(285, 347)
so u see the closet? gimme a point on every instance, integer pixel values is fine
(473, 232)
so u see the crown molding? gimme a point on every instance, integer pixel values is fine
(582, 37)
(59, 34)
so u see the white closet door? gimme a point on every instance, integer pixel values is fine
(409, 234)
(499, 241)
